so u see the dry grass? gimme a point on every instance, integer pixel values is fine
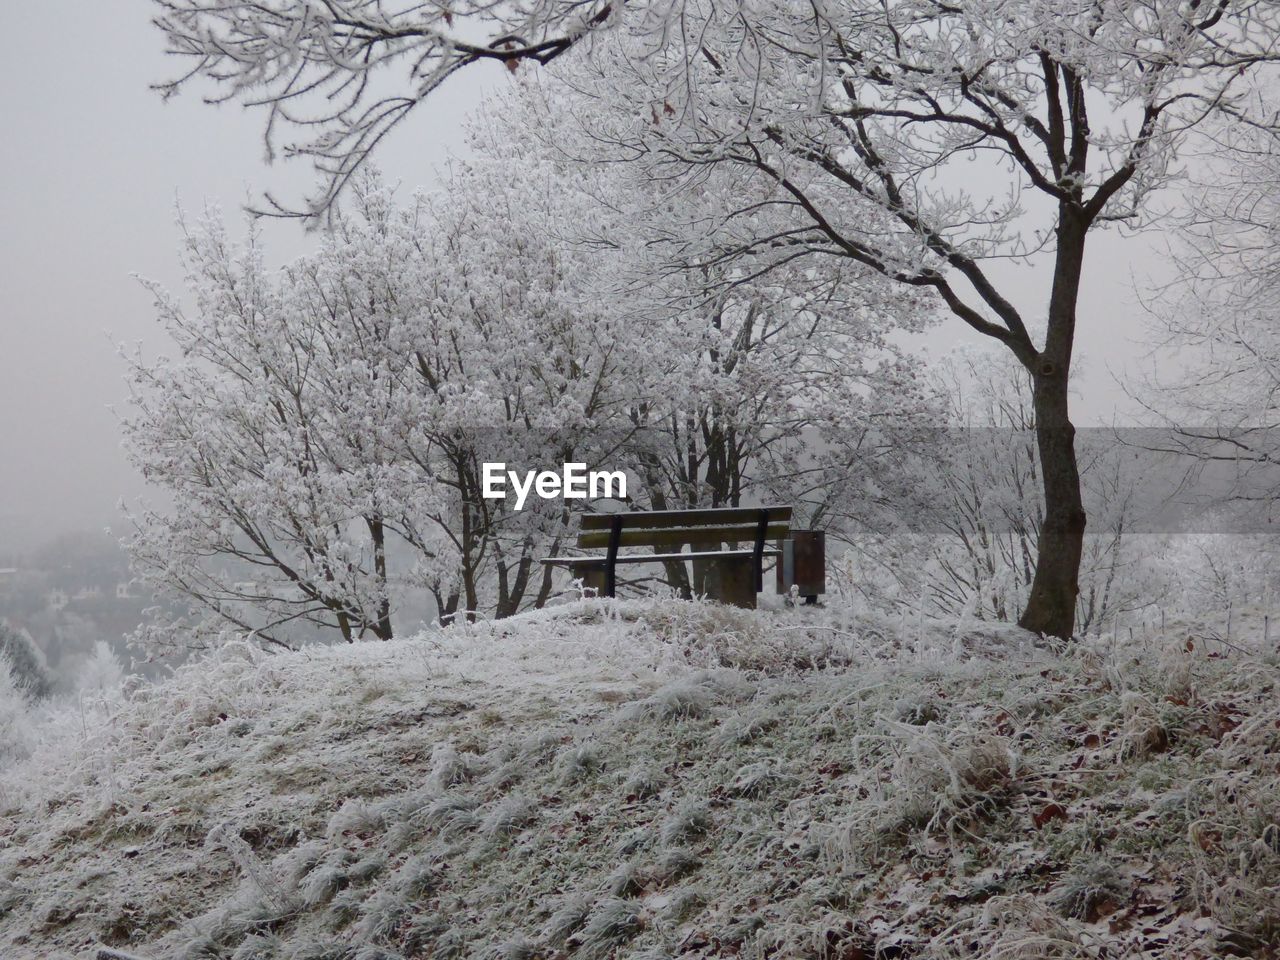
(661, 780)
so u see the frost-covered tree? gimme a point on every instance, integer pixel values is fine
(924, 142)
(330, 421)
(1217, 391)
(712, 389)
(918, 139)
(24, 663)
(968, 549)
(312, 65)
(275, 432)
(777, 380)
(24, 680)
(519, 359)
(786, 391)
(16, 729)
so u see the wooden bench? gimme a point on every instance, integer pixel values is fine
(735, 575)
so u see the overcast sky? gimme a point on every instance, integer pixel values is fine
(92, 165)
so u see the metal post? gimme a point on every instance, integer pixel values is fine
(611, 558)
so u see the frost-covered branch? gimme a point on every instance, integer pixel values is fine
(336, 76)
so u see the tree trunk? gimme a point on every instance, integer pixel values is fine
(470, 594)
(382, 629)
(344, 624)
(548, 581)
(1051, 607)
(447, 608)
(511, 592)
(473, 526)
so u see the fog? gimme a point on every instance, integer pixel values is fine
(93, 165)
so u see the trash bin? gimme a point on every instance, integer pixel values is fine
(803, 564)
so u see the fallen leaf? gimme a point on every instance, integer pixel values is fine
(1048, 813)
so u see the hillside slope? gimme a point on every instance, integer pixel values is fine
(664, 780)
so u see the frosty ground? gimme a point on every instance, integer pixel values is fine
(662, 779)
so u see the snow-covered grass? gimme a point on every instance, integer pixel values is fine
(664, 779)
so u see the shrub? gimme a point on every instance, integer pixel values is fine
(15, 725)
(25, 663)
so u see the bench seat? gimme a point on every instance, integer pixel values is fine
(656, 557)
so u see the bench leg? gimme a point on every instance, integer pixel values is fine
(732, 581)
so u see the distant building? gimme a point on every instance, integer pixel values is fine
(124, 591)
(56, 600)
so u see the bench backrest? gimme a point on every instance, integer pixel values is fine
(673, 528)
